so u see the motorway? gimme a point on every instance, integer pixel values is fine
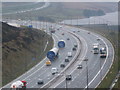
(97, 67)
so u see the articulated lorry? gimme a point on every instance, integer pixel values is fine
(19, 84)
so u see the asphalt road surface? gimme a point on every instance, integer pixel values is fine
(97, 67)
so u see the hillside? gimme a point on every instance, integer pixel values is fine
(22, 48)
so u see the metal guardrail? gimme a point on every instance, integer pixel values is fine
(60, 76)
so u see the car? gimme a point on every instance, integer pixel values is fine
(75, 45)
(60, 27)
(62, 65)
(88, 32)
(4, 21)
(79, 66)
(68, 39)
(62, 33)
(69, 54)
(78, 31)
(66, 59)
(74, 49)
(53, 31)
(116, 79)
(54, 70)
(98, 39)
(40, 81)
(68, 77)
(48, 63)
(19, 19)
(103, 52)
(74, 31)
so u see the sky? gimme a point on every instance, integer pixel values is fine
(60, 0)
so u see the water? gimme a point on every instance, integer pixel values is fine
(109, 18)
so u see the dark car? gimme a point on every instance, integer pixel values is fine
(62, 33)
(74, 49)
(62, 65)
(68, 77)
(74, 31)
(68, 39)
(40, 81)
(98, 39)
(53, 31)
(79, 67)
(75, 45)
(66, 59)
(88, 32)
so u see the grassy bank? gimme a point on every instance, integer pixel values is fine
(111, 33)
(22, 48)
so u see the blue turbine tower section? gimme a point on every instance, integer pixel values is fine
(52, 54)
(30, 26)
(61, 44)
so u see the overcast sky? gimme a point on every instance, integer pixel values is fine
(60, 0)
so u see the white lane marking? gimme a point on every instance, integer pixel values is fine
(71, 41)
(56, 37)
(102, 65)
(66, 66)
(79, 62)
(45, 46)
(55, 44)
(36, 70)
(104, 62)
(109, 67)
(31, 68)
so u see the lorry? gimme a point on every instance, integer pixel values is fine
(96, 48)
(61, 43)
(48, 63)
(103, 52)
(53, 54)
(19, 84)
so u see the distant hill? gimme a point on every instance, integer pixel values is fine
(105, 6)
(10, 7)
(22, 48)
(58, 11)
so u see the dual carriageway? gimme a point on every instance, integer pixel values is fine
(93, 71)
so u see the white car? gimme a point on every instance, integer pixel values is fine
(54, 70)
(69, 54)
(60, 27)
